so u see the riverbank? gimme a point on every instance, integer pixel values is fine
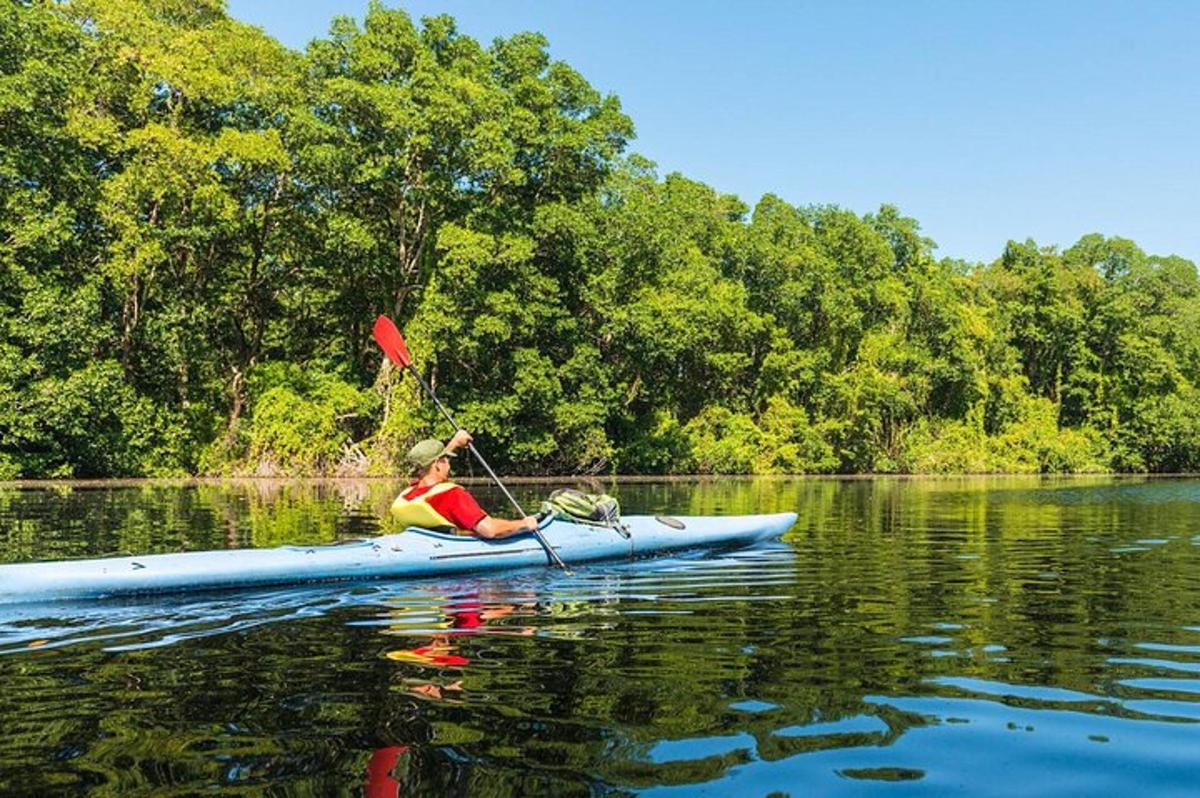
(631, 479)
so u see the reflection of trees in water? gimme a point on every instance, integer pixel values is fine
(595, 710)
(893, 583)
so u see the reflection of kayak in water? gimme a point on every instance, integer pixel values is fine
(413, 553)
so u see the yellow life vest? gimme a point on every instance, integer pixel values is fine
(419, 512)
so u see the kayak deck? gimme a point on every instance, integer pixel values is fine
(412, 553)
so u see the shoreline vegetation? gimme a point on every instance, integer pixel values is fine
(198, 227)
(560, 480)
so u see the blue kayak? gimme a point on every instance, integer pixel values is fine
(412, 553)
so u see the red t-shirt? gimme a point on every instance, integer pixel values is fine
(456, 505)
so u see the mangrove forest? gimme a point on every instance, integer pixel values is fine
(198, 227)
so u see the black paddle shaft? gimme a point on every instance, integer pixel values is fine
(550, 552)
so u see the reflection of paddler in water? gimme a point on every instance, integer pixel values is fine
(464, 616)
(439, 652)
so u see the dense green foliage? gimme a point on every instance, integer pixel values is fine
(198, 226)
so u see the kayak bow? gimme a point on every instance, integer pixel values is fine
(413, 553)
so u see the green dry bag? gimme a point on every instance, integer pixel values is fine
(591, 508)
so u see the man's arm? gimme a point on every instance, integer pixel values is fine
(492, 528)
(496, 528)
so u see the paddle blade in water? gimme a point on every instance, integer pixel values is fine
(392, 342)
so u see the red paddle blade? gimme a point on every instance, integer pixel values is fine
(392, 342)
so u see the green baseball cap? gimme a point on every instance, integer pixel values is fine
(426, 452)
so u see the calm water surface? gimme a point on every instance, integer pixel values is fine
(997, 636)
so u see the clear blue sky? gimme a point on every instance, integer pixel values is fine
(985, 121)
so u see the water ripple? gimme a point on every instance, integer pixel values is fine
(941, 636)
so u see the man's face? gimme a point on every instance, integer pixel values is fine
(443, 467)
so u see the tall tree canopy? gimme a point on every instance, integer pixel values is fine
(198, 226)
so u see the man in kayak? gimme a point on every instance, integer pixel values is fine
(432, 501)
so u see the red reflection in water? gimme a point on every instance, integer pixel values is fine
(380, 780)
(465, 616)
